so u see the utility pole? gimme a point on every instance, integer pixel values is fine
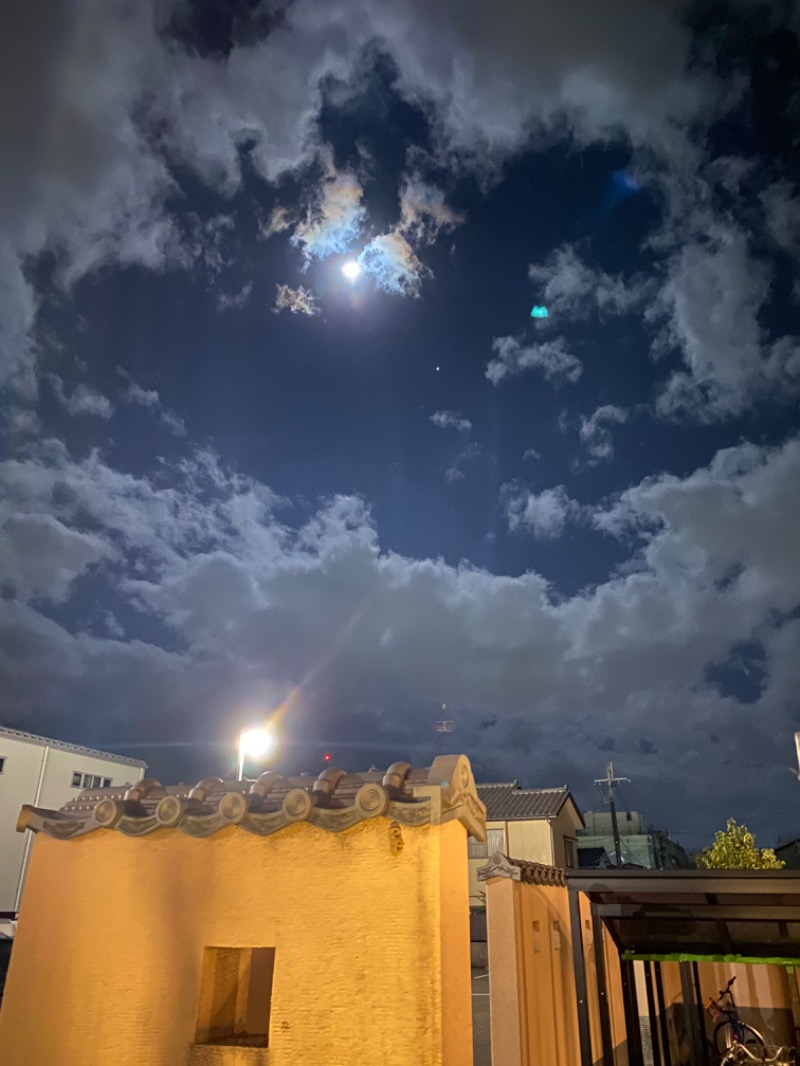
(607, 786)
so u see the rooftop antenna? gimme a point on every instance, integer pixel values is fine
(608, 786)
(443, 724)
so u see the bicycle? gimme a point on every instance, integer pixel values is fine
(730, 1030)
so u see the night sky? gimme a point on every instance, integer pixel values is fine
(238, 483)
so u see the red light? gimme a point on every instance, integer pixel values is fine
(327, 756)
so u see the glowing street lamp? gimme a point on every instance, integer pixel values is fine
(254, 744)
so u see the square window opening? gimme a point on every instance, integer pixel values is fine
(2, 763)
(77, 779)
(87, 780)
(235, 997)
(106, 782)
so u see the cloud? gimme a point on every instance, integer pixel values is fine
(255, 606)
(41, 557)
(595, 433)
(712, 301)
(468, 454)
(451, 420)
(150, 398)
(234, 301)
(299, 301)
(335, 220)
(83, 400)
(390, 258)
(512, 357)
(496, 81)
(279, 221)
(393, 264)
(782, 211)
(543, 514)
(423, 211)
(572, 290)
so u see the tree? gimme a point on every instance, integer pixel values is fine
(734, 848)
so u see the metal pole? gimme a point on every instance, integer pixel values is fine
(615, 831)
(631, 1005)
(701, 1016)
(651, 1010)
(579, 966)
(29, 835)
(690, 1015)
(662, 1014)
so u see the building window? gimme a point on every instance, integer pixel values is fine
(569, 853)
(2, 763)
(106, 782)
(87, 780)
(77, 778)
(495, 841)
(475, 849)
(235, 997)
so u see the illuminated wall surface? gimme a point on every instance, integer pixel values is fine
(346, 948)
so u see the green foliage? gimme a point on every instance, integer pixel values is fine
(734, 848)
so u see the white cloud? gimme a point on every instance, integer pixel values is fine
(83, 400)
(394, 264)
(451, 420)
(595, 433)
(423, 211)
(150, 398)
(542, 514)
(299, 301)
(335, 219)
(497, 79)
(513, 357)
(253, 602)
(41, 557)
(572, 290)
(234, 301)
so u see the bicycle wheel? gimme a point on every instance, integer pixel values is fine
(724, 1039)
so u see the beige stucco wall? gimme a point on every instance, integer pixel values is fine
(533, 1002)
(532, 983)
(372, 947)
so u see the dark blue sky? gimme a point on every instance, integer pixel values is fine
(236, 480)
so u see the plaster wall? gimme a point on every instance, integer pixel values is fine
(371, 947)
(534, 1017)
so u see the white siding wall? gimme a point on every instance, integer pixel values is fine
(19, 781)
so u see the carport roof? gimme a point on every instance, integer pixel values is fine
(751, 915)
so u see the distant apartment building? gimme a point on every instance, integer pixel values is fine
(789, 852)
(534, 824)
(45, 773)
(641, 845)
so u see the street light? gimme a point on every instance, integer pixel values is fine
(254, 744)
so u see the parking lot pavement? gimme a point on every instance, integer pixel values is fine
(480, 1018)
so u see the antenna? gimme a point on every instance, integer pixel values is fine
(444, 724)
(608, 786)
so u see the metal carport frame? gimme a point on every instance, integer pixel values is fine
(684, 916)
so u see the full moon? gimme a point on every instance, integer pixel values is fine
(351, 269)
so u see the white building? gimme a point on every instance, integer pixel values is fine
(45, 773)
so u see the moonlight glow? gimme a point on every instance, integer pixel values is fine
(351, 269)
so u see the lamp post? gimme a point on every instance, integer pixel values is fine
(254, 744)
